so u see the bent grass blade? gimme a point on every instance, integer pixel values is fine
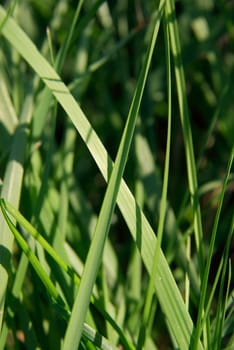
(61, 306)
(8, 208)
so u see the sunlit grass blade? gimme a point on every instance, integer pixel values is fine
(177, 316)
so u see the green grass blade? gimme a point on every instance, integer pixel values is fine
(177, 316)
(73, 333)
(147, 312)
(187, 133)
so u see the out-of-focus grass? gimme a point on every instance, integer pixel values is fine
(47, 171)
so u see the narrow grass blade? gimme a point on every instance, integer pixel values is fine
(187, 133)
(147, 312)
(73, 333)
(177, 316)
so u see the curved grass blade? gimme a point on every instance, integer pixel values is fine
(178, 318)
(7, 207)
(56, 299)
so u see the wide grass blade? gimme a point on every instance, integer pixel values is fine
(177, 316)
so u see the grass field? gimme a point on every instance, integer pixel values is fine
(117, 177)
